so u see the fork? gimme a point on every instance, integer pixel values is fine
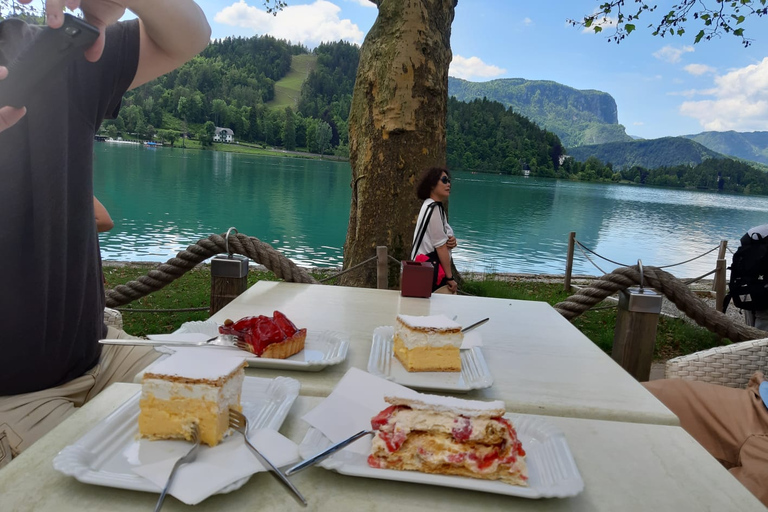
(239, 423)
(190, 456)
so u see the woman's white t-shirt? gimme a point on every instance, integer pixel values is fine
(437, 232)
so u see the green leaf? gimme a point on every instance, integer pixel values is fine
(738, 32)
(629, 28)
(598, 29)
(698, 36)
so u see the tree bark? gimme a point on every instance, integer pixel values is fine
(396, 127)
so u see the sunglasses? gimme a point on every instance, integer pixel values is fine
(445, 179)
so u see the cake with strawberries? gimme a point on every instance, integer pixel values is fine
(273, 337)
(428, 343)
(448, 436)
(186, 389)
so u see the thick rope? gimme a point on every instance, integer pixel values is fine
(669, 286)
(258, 251)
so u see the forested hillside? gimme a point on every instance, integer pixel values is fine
(746, 145)
(577, 117)
(650, 154)
(485, 135)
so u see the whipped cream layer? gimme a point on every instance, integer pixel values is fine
(428, 331)
(225, 395)
(450, 405)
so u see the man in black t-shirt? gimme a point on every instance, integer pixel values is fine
(52, 298)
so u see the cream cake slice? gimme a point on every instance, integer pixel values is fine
(428, 343)
(190, 387)
(449, 436)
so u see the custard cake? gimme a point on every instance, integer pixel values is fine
(190, 387)
(428, 343)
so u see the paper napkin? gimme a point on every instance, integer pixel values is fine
(358, 397)
(218, 467)
(472, 339)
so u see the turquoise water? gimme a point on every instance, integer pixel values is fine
(163, 200)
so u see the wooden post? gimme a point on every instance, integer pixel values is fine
(224, 290)
(719, 284)
(382, 268)
(635, 335)
(569, 260)
(720, 256)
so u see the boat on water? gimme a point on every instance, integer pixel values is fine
(152, 144)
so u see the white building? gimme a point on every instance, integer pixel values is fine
(223, 135)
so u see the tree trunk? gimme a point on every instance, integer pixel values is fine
(396, 127)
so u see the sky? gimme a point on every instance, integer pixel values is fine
(662, 86)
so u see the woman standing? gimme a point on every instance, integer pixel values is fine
(433, 239)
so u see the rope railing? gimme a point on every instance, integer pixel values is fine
(668, 285)
(350, 269)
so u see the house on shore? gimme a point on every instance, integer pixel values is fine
(224, 135)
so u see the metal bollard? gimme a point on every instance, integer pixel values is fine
(635, 335)
(229, 277)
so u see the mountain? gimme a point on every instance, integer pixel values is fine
(747, 145)
(650, 154)
(577, 117)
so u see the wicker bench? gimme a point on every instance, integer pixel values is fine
(731, 365)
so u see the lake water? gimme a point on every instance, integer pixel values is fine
(163, 200)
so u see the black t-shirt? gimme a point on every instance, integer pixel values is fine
(51, 290)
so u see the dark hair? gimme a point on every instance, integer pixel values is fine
(428, 180)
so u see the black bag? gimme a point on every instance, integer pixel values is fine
(748, 286)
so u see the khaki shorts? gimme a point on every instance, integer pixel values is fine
(27, 417)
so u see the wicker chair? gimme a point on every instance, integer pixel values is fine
(731, 365)
(113, 318)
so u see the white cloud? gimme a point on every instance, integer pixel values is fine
(309, 24)
(473, 67)
(671, 54)
(527, 22)
(699, 69)
(604, 22)
(739, 101)
(638, 123)
(364, 3)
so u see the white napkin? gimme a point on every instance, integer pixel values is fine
(472, 339)
(358, 397)
(217, 467)
(191, 337)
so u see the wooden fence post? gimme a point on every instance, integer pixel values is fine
(382, 268)
(635, 335)
(720, 256)
(569, 261)
(719, 284)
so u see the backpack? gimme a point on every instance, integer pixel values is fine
(748, 285)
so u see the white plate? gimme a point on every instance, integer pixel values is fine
(552, 472)
(321, 349)
(105, 455)
(382, 363)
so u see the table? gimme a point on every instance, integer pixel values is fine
(541, 364)
(625, 466)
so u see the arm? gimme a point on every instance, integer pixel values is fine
(172, 31)
(103, 220)
(9, 116)
(444, 255)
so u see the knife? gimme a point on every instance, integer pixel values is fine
(155, 343)
(476, 324)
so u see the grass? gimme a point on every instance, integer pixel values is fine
(674, 337)
(288, 88)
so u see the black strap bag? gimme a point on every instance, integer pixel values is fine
(439, 278)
